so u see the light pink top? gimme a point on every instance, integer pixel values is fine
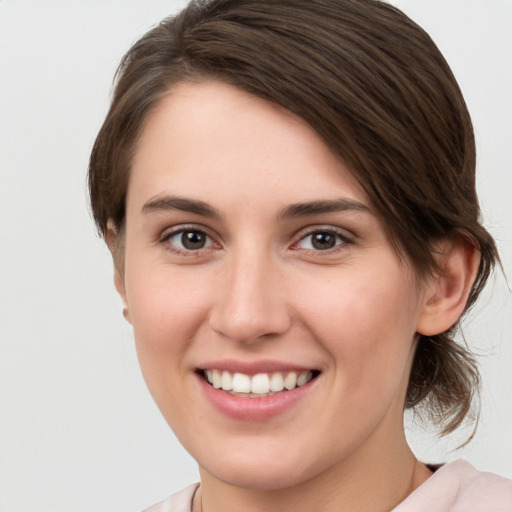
(455, 487)
(459, 487)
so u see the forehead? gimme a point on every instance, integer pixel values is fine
(206, 137)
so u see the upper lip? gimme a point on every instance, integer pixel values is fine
(253, 367)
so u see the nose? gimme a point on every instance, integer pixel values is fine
(251, 304)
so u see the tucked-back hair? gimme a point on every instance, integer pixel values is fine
(376, 89)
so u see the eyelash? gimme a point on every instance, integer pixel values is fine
(166, 239)
(341, 240)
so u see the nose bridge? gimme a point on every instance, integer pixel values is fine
(251, 302)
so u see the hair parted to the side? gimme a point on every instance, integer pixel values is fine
(380, 94)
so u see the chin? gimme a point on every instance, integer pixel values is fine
(269, 473)
(260, 479)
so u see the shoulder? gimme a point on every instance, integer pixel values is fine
(179, 502)
(459, 487)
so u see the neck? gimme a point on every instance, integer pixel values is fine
(376, 479)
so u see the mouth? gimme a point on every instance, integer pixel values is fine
(260, 385)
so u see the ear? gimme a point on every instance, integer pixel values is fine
(111, 235)
(447, 292)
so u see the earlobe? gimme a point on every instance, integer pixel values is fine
(121, 290)
(111, 236)
(447, 293)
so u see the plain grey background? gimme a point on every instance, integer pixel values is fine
(78, 429)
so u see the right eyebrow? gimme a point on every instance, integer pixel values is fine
(323, 206)
(166, 203)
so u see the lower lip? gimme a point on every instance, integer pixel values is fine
(254, 409)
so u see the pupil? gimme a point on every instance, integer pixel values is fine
(323, 241)
(193, 240)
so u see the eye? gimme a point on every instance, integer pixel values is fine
(188, 240)
(321, 240)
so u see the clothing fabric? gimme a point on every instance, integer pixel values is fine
(459, 487)
(454, 487)
(179, 502)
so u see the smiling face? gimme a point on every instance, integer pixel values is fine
(250, 249)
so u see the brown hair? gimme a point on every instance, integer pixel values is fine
(378, 91)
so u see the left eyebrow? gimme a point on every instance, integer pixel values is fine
(166, 203)
(322, 206)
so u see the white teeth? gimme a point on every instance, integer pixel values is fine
(304, 378)
(226, 381)
(290, 381)
(276, 382)
(260, 383)
(241, 383)
(216, 379)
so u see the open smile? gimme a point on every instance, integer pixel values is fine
(259, 385)
(255, 396)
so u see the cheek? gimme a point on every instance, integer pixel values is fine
(367, 325)
(166, 310)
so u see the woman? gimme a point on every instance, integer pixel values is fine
(288, 192)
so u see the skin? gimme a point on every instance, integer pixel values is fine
(259, 289)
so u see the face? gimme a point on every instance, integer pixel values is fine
(274, 324)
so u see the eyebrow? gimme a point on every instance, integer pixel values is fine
(323, 206)
(166, 203)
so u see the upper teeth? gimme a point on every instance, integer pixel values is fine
(261, 383)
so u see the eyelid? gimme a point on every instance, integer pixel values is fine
(181, 228)
(178, 228)
(345, 237)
